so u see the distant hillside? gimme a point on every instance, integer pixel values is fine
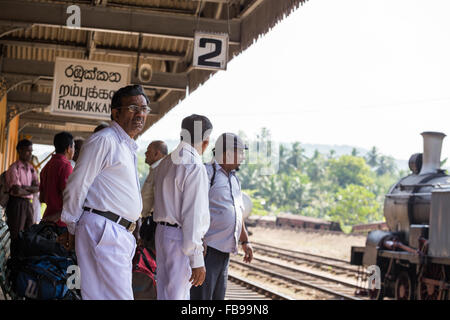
(344, 149)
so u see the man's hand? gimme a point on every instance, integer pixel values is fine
(71, 246)
(32, 189)
(248, 250)
(67, 240)
(198, 276)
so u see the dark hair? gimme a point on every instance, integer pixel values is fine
(190, 123)
(62, 141)
(101, 126)
(161, 146)
(23, 143)
(78, 142)
(128, 91)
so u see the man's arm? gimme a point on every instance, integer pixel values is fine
(31, 189)
(248, 250)
(89, 164)
(34, 188)
(195, 216)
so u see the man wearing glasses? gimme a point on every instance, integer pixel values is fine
(226, 207)
(102, 200)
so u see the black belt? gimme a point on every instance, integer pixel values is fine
(130, 226)
(169, 224)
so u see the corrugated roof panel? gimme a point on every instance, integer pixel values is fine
(160, 4)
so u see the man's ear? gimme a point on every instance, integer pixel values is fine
(205, 144)
(115, 113)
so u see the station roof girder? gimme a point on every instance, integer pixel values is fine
(158, 32)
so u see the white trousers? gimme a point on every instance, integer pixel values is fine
(173, 268)
(104, 251)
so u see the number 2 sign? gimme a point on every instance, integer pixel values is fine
(210, 51)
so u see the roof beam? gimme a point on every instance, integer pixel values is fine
(105, 50)
(45, 136)
(129, 21)
(43, 100)
(249, 10)
(160, 80)
(34, 99)
(48, 118)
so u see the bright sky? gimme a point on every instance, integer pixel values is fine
(354, 72)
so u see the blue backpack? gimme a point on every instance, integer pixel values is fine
(42, 278)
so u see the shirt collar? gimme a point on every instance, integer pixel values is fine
(189, 148)
(156, 163)
(218, 166)
(23, 165)
(123, 136)
(60, 156)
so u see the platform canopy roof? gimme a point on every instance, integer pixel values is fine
(133, 32)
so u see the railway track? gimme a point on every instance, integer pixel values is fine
(239, 288)
(328, 264)
(297, 278)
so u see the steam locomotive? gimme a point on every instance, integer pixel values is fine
(413, 256)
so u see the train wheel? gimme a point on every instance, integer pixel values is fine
(428, 290)
(376, 294)
(404, 287)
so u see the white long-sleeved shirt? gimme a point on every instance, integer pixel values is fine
(104, 178)
(181, 197)
(148, 191)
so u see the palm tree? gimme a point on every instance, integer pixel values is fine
(372, 157)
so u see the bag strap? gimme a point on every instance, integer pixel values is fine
(152, 254)
(146, 262)
(214, 174)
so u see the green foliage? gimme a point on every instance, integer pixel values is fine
(142, 168)
(258, 203)
(355, 204)
(349, 189)
(347, 170)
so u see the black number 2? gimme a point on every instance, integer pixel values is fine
(202, 60)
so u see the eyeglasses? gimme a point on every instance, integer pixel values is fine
(135, 108)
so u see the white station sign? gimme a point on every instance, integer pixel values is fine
(210, 50)
(84, 88)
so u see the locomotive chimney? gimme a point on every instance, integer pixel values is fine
(432, 145)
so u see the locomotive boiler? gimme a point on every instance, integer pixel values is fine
(413, 257)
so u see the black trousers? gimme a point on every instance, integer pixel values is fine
(215, 285)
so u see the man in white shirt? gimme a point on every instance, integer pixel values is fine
(102, 200)
(181, 211)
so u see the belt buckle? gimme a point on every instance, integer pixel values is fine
(131, 227)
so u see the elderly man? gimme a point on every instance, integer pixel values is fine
(102, 200)
(226, 225)
(22, 182)
(156, 151)
(181, 211)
